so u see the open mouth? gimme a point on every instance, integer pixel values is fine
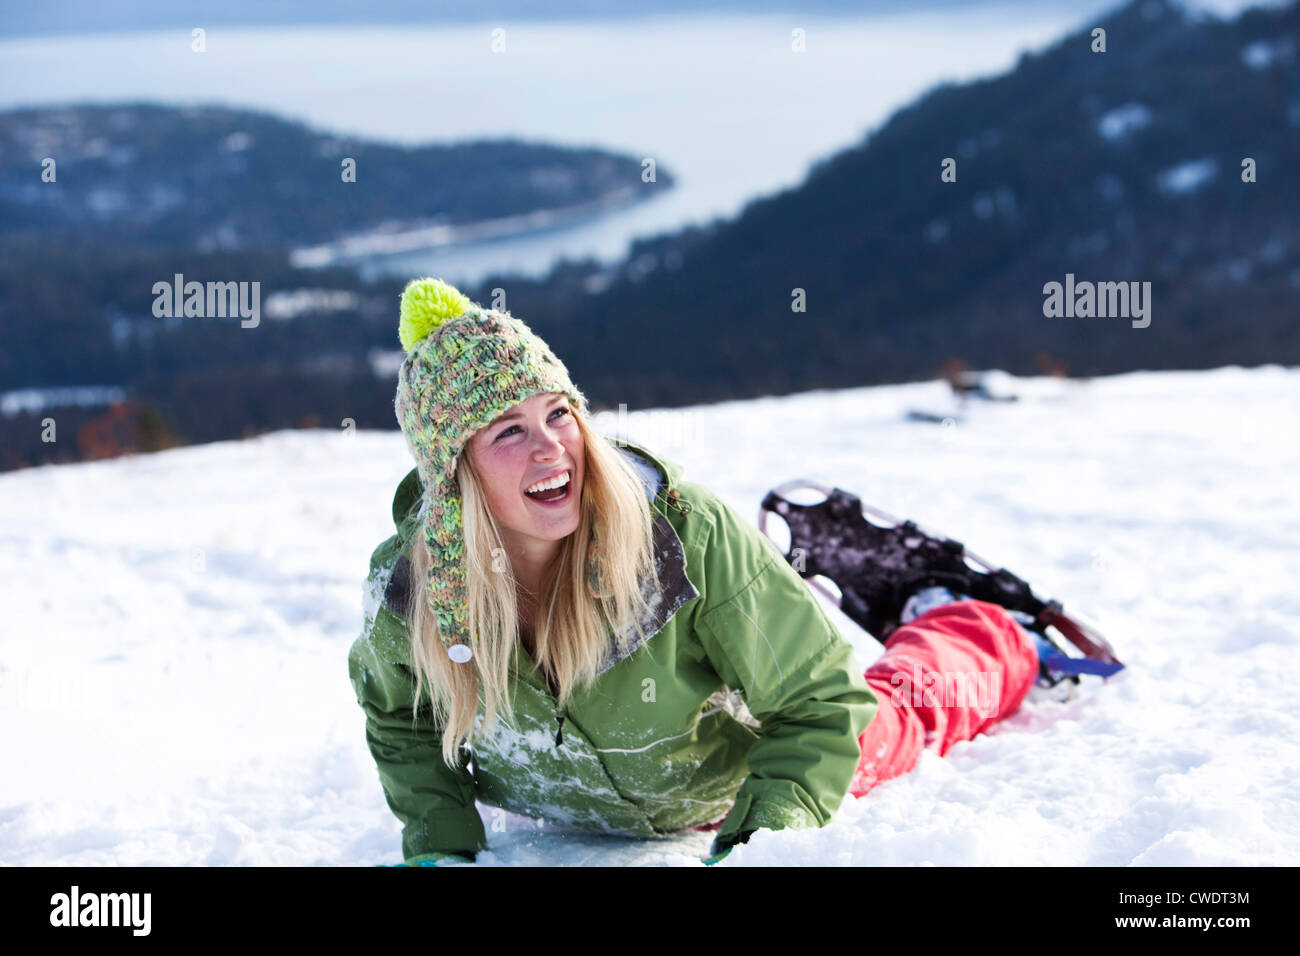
(553, 495)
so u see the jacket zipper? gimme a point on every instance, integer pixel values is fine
(559, 711)
(559, 717)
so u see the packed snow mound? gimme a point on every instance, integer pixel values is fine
(173, 677)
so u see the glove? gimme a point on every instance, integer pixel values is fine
(720, 849)
(436, 859)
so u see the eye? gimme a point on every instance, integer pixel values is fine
(561, 410)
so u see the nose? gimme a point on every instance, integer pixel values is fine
(549, 443)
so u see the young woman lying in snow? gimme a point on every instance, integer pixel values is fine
(613, 646)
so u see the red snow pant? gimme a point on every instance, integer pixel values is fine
(948, 675)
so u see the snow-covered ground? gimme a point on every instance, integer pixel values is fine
(173, 677)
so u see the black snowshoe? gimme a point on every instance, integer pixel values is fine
(877, 567)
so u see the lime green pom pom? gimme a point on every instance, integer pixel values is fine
(426, 304)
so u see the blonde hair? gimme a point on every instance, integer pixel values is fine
(615, 523)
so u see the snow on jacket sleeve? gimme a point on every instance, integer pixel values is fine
(434, 802)
(766, 635)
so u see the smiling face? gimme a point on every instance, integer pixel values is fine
(532, 441)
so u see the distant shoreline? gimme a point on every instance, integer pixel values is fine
(394, 241)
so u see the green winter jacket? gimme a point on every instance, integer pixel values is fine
(745, 701)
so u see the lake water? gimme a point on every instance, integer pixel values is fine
(721, 101)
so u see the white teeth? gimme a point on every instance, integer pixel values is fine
(553, 483)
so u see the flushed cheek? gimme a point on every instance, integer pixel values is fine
(507, 491)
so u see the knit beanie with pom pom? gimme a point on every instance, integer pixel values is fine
(464, 367)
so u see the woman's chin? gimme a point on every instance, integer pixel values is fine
(555, 519)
